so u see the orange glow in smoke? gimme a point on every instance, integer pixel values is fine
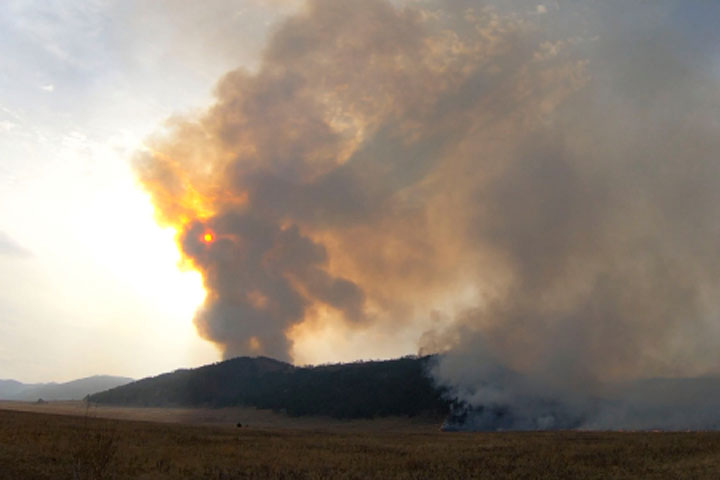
(209, 237)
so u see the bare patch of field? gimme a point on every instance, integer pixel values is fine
(246, 416)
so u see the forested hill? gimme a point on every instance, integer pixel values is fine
(353, 390)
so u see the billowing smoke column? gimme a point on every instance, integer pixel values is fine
(532, 188)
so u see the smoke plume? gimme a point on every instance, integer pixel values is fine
(531, 189)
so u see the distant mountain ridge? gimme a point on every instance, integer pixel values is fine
(73, 390)
(354, 390)
(9, 388)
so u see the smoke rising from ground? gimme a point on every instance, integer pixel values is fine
(533, 189)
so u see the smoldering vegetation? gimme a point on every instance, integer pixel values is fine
(497, 399)
(532, 189)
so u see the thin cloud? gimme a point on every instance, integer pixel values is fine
(11, 248)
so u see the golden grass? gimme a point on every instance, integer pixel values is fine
(43, 446)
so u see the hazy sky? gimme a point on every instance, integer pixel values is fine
(531, 184)
(89, 282)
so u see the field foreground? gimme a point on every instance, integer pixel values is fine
(48, 446)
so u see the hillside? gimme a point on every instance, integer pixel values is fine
(74, 390)
(9, 388)
(354, 390)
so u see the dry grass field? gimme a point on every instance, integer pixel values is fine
(51, 446)
(224, 417)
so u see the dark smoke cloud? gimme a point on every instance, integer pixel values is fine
(539, 183)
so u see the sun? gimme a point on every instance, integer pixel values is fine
(209, 237)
